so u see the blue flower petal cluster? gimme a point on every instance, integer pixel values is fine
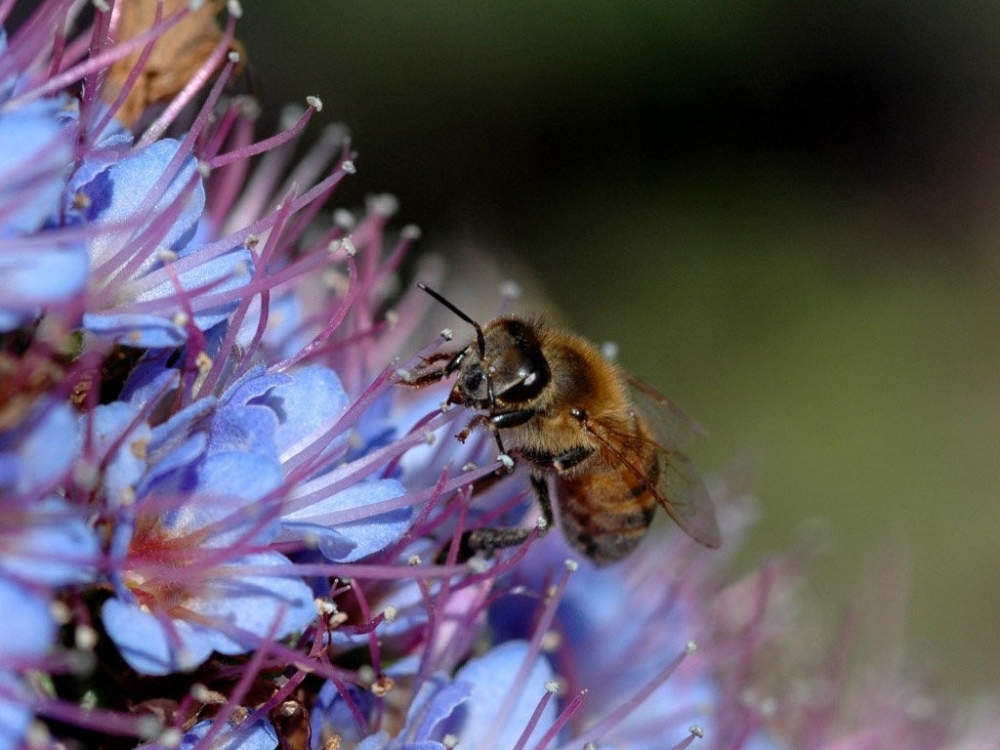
(211, 469)
(48, 269)
(251, 735)
(473, 707)
(46, 544)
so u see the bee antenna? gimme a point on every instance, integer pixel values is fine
(480, 341)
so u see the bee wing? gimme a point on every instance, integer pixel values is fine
(671, 426)
(683, 494)
(680, 490)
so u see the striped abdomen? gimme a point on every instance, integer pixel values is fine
(606, 512)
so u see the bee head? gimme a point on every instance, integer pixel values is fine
(505, 366)
(513, 369)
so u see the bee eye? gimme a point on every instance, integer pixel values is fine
(528, 387)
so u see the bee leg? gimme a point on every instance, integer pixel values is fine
(490, 539)
(541, 485)
(424, 379)
(480, 420)
(426, 373)
(484, 542)
(504, 419)
(503, 451)
(561, 461)
(570, 458)
(497, 422)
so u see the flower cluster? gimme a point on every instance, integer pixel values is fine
(224, 522)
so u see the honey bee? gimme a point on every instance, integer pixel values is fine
(551, 398)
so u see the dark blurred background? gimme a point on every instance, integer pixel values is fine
(785, 214)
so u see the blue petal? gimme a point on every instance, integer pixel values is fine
(27, 629)
(377, 428)
(175, 447)
(306, 405)
(244, 429)
(221, 491)
(433, 706)
(125, 468)
(331, 717)
(116, 194)
(259, 735)
(140, 330)
(55, 546)
(38, 452)
(492, 678)
(174, 472)
(176, 430)
(15, 714)
(248, 477)
(33, 277)
(35, 157)
(351, 541)
(254, 385)
(242, 606)
(255, 603)
(285, 332)
(145, 643)
(113, 146)
(150, 378)
(378, 741)
(223, 273)
(176, 444)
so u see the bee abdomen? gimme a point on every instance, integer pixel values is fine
(605, 517)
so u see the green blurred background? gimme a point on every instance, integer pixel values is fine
(784, 213)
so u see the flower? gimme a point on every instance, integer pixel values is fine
(224, 522)
(181, 580)
(50, 268)
(250, 735)
(446, 709)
